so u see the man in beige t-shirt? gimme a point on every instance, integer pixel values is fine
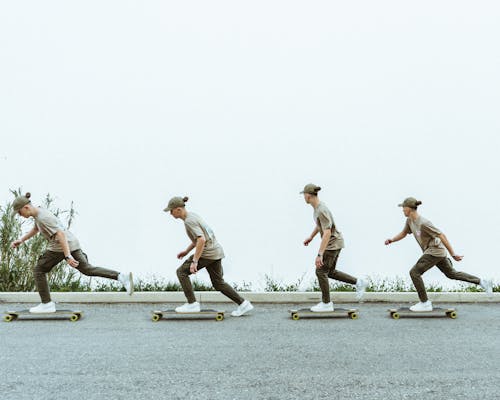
(48, 225)
(427, 236)
(62, 245)
(208, 254)
(324, 221)
(195, 228)
(435, 247)
(331, 244)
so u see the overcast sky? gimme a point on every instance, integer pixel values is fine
(120, 105)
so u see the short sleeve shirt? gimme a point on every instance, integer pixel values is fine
(48, 225)
(324, 220)
(195, 228)
(427, 236)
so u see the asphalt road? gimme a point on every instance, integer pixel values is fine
(117, 352)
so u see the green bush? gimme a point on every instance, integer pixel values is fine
(150, 284)
(273, 285)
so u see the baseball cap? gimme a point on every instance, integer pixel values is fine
(175, 202)
(311, 188)
(411, 202)
(19, 202)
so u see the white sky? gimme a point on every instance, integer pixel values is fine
(119, 105)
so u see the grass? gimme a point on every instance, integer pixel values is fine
(153, 283)
(273, 285)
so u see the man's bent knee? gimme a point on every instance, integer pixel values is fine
(182, 272)
(415, 273)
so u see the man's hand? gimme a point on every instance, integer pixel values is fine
(388, 242)
(457, 258)
(72, 262)
(194, 267)
(16, 243)
(307, 241)
(319, 261)
(182, 254)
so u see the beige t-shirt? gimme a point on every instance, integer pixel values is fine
(427, 236)
(324, 220)
(195, 228)
(48, 225)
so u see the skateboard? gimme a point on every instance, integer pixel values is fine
(72, 315)
(172, 314)
(351, 313)
(403, 312)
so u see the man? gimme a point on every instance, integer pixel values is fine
(331, 244)
(63, 245)
(435, 245)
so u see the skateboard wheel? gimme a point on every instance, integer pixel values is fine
(295, 316)
(395, 315)
(8, 318)
(74, 318)
(156, 317)
(219, 317)
(353, 315)
(452, 314)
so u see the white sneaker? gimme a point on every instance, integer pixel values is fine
(128, 282)
(361, 286)
(44, 308)
(320, 307)
(243, 308)
(189, 308)
(422, 307)
(487, 285)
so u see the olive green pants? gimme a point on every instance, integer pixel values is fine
(50, 259)
(214, 268)
(328, 270)
(426, 262)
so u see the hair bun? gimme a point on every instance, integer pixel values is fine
(27, 195)
(185, 199)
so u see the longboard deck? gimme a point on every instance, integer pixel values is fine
(172, 314)
(351, 313)
(72, 315)
(437, 312)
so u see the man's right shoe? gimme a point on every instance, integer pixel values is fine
(422, 307)
(44, 308)
(189, 308)
(128, 282)
(487, 285)
(243, 308)
(321, 307)
(361, 286)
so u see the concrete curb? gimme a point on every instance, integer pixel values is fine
(254, 297)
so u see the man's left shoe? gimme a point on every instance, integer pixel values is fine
(44, 308)
(422, 307)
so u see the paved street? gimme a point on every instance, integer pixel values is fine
(117, 352)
